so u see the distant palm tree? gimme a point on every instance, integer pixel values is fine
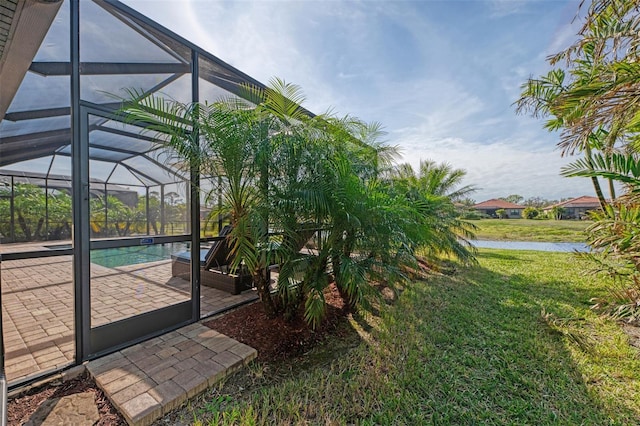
(436, 179)
(432, 192)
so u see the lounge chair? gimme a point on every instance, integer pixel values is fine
(214, 267)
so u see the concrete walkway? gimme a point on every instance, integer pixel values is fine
(146, 381)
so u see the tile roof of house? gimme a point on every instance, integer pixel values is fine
(585, 202)
(497, 204)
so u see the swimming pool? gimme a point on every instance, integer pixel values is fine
(122, 256)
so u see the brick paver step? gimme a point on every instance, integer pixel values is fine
(146, 381)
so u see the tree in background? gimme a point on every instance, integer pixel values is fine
(29, 208)
(468, 202)
(501, 213)
(35, 212)
(152, 216)
(537, 202)
(557, 212)
(59, 215)
(514, 198)
(175, 212)
(110, 216)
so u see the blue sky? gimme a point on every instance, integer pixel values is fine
(441, 76)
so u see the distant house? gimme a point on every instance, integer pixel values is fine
(489, 207)
(576, 208)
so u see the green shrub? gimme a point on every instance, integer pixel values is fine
(474, 215)
(530, 213)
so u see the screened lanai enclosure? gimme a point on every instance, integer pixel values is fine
(92, 207)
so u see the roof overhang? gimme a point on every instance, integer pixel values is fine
(28, 22)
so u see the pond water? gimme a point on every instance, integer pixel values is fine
(531, 245)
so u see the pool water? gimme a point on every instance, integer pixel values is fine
(122, 256)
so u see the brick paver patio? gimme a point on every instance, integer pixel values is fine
(37, 306)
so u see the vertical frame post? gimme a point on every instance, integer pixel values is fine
(162, 218)
(80, 194)
(12, 210)
(195, 200)
(106, 210)
(146, 208)
(46, 199)
(219, 204)
(46, 207)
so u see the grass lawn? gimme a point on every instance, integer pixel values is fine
(511, 341)
(555, 231)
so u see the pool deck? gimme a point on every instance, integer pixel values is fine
(37, 306)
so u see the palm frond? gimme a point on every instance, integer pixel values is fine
(624, 168)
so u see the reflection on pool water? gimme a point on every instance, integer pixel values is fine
(122, 256)
(531, 245)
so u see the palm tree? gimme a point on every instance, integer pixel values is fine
(598, 107)
(365, 237)
(432, 192)
(598, 111)
(546, 96)
(603, 61)
(239, 140)
(285, 172)
(435, 179)
(616, 167)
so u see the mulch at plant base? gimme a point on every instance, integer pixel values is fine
(20, 409)
(275, 339)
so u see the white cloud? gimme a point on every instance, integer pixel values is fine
(254, 37)
(449, 101)
(436, 107)
(564, 35)
(502, 8)
(499, 168)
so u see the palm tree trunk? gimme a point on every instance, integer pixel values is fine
(38, 232)
(594, 180)
(612, 190)
(336, 264)
(264, 292)
(25, 227)
(599, 194)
